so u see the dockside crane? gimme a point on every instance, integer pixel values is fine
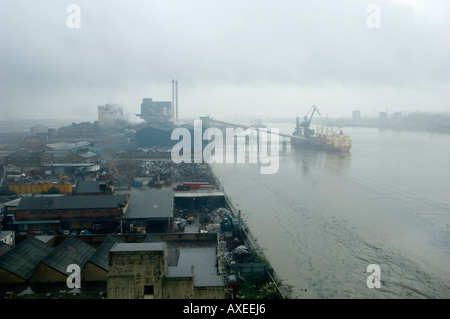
(306, 122)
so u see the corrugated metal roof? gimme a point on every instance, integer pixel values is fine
(5, 233)
(71, 202)
(13, 203)
(101, 255)
(45, 238)
(67, 146)
(87, 154)
(23, 259)
(4, 248)
(70, 251)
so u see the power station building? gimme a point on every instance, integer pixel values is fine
(156, 111)
(161, 111)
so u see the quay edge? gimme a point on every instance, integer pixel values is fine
(250, 241)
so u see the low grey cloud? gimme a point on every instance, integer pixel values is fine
(262, 57)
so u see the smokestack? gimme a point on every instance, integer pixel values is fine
(176, 90)
(173, 100)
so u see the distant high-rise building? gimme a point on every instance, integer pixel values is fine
(108, 114)
(383, 120)
(395, 120)
(39, 129)
(356, 115)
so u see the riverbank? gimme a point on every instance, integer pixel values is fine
(283, 290)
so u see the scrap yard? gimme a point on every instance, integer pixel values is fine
(137, 196)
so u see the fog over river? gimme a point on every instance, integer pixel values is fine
(323, 218)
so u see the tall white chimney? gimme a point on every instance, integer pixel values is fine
(176, 96)
(173, 100)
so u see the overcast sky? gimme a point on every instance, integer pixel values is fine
(256, 57)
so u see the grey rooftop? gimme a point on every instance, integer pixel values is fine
(137, 247)
(153, 203)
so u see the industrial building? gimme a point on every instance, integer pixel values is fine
(18, 264)
(155, 135)
(7, 237)
(196, 200)
(108, 115)
(40, 188)
(47, 214)
(97, 187)
(97, 265)
(24, 158)
(149, 210)
(77, 131)
(142, 270)
(59, 150)
(70, 168)
(160, 135)
(126, 266)
(53, 268)
(131, 211)
(156, 111)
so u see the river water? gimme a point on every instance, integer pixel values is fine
(323, 218)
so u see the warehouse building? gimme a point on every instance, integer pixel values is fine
(25, 159)
(98, 187)
(155, 135)
(46, 214)
(53, 268)
(141, 271)
(125, 266)
(19, 264)
(160, 135)
(150, 210)
(96, 267)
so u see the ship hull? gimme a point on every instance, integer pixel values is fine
(319, 144)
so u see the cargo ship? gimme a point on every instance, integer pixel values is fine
(328, 139)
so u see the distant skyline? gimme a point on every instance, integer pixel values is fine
(262, 58)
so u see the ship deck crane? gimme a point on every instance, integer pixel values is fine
(314, 110)
(306, 123)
